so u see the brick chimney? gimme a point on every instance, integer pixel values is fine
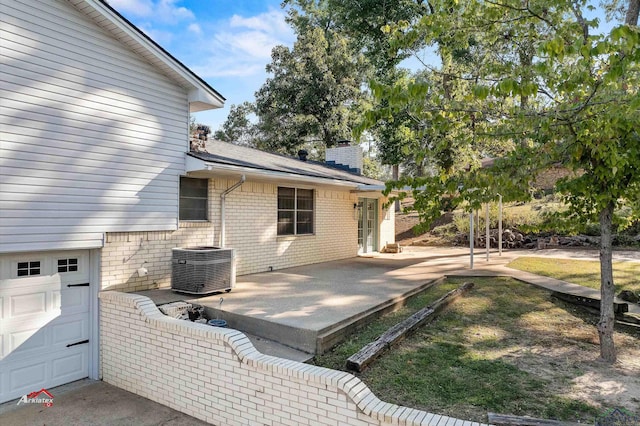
(346, 157)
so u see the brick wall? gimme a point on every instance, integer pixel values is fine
(125, 252)
(251, 228)
(217, 375)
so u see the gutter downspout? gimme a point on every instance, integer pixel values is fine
(223, 197)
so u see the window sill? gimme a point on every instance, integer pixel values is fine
(293, 237)
(193, 224)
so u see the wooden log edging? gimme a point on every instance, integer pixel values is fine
(508, 420)
(618, 308)
(360, 360)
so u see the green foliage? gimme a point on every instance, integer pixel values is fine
(533, 77)
(313, 93)
(238, 127)
(372, 168)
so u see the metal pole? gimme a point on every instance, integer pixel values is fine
(486, 230)
(471, 240)
(500, 225)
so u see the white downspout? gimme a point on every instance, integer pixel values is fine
(223, 197)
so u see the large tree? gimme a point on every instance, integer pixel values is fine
(537, 76)
(313, 93)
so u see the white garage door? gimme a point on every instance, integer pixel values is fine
(44, 321)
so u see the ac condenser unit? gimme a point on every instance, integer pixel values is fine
(202, 270)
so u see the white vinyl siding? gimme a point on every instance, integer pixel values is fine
(92, 137)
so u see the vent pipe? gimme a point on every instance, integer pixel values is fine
(223, 197)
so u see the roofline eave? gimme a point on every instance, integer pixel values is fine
(196, 165)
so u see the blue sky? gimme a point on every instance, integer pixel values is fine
(226, 42)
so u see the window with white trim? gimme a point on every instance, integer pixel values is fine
(295, 211)
(194, 197)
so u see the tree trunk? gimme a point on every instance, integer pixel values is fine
(632, 13)
(607, 289)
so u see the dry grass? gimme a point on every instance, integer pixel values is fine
(504, 347)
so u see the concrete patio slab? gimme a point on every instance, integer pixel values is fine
(310, 308)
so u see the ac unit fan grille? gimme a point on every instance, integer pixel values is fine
(202, 270)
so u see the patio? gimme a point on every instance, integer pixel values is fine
(311, 308)
(297, 312)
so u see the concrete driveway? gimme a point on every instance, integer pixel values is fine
(92, 402)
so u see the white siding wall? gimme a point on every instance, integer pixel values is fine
(92, 138)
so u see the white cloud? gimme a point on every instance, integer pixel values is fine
(195, 28)
(242, 45)
(160, 10)
(250, 44)
(270, 22)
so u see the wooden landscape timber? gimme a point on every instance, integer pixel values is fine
(360, 360)
(508, 420)
(618, 308)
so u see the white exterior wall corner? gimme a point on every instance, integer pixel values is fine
(235, 384)
(92, 136)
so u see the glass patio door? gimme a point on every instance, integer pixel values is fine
(367, 225)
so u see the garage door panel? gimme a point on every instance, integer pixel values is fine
(72, 300)
(28, 304)
(28, 378)
(69, 332)
(23, 335)
(28, 340)
(69, 367)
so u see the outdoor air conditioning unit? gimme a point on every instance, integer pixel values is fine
(202, 270)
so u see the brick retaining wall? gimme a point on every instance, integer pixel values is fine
(216, 374)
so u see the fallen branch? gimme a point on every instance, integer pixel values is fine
(366, 355)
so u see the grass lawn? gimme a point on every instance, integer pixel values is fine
(505, 347)
(626, 275)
